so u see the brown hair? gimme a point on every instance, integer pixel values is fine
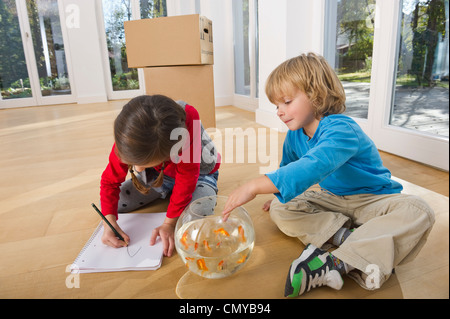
(311, 74)
(142, 133)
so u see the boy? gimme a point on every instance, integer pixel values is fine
(360, 209)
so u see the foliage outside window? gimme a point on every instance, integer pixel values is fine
(115, 14)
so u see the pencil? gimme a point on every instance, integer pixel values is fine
(109, 224)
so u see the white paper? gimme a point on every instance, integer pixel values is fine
(139, 255)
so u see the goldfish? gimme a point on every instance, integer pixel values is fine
(221, 231)
(202, 265)
(241, 234)
(195, 246)
(220, 265)
(189, 259)
(183, 240)
(205, 243)
(240, 261)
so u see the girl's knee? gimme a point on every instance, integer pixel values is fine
(203, 190)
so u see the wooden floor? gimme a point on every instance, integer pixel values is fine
(51, 159)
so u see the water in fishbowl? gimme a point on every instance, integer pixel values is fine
(212, 248)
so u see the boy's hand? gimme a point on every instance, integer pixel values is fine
(239, 197)
(109, 238)
(247, 192)
(167, 233)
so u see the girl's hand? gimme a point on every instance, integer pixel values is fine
(167, 233)
(266, 206)
(109, 238)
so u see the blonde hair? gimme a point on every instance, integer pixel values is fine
(311, 74)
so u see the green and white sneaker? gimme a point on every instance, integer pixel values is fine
(314, 268)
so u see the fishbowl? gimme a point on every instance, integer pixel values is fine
(210, 247)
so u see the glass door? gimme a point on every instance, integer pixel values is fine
(348, 47)
(392, 58)
(246, 55)
(14, 75)
(353, 53)
(410, 110)
(124, 82)
(48, 48)
(421, 91)
(35, 71)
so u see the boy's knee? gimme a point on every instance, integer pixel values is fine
(414, 204)
(422, 207)
(276, 211)
(275, 202)
(274, 205)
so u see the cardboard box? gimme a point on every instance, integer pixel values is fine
(177, 40)
(192, 84)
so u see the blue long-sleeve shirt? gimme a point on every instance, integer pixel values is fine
(340, 157)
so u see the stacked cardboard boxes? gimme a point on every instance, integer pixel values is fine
(177, 56)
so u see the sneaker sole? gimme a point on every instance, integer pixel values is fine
(296, 280)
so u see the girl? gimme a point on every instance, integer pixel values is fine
(146, 147)
(360, 209)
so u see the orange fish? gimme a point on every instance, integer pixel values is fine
(195, 246)
(221, 231)
(189, 259)
(183, 240)
(240, 261)
(205, 242)
(241, 233)
(220, 265)
(202, 265)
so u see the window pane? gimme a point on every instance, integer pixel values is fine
(115, 12)
(48, 45)
(14, 80)
(422, 90)
(241, 47)
(354, 46)
(153, 9)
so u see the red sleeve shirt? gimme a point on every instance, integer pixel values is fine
(185, 173)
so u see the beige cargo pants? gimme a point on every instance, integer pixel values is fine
(389, 229)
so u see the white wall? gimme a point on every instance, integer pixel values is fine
(287, 29)
(220, 12)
